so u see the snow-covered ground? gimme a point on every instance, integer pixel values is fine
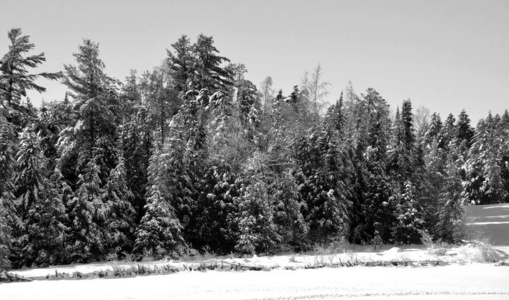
(464, 254)
(484, 280)
(493, 220)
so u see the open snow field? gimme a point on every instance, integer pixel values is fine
(494, 221)
(450, 282)
(467, 280)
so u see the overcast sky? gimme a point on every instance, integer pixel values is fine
(445, 55)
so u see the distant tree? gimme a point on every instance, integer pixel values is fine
(449, 131)
(421, 121)
(465, 131)
(434, 130)
(316, 89)
(267, 93)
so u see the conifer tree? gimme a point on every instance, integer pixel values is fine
(120, 216)
(160, 231)
(208, 72)
(15, 78)
(5, 239)
(450, 214)
(465, 131)
(255, 216)
(210, 227)
(449, 131)
(137, 142)
(94, 134)
(291, 226)
(41, 233)
(484, 182)
(181, 63)
(88, 215)
(408, 215)
(434, 130)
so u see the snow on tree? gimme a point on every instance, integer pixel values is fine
(89, 236)
(450, 213)
(39, 206)
(120, 220)
(254, 215)
(160, 231)
(408, 215)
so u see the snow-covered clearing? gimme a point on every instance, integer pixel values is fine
(473, 279)
(493, 220)
(462, 254)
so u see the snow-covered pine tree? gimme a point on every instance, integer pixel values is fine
(450, 212)
(160, 231)
(324, 184)
(89, 236)
(40, 237)
(377, 209)
(408, 215)
(433, 180)
(449, 131)
(434, 130)
(484, 183)
(288, 218)
(120, 215)
(93, 135)
(88, 150)
(465, 132)
(254, 215)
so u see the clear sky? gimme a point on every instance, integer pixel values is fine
(446, 55)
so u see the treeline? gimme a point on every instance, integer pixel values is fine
(192, 155)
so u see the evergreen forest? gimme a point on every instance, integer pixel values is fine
(191, 156)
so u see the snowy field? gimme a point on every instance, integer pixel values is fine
(476, 281)
(461, 278)
(494, 221)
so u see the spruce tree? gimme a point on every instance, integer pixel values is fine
(450, 214)
(434, 130)
(120, 216)
(40, 237)
(160, 231)
(291, 226)
(465, 131)
(89, 236)
(255, 217)
(408, 215)
(484, 183)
